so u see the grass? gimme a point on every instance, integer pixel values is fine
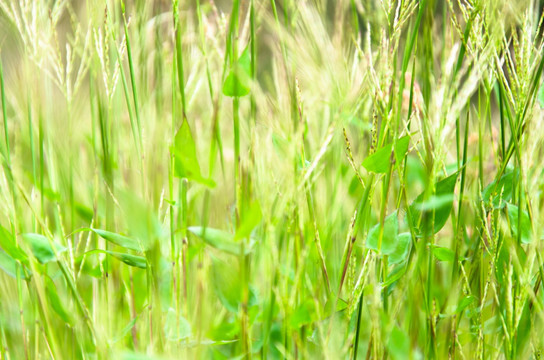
(271, 179)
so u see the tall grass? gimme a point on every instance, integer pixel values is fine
(271, 179)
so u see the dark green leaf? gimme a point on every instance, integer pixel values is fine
(438, 204)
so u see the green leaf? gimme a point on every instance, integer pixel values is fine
(394, 275)
(55, 301)
(227, 286)
(466, 301)
(513, 217)
(129, 259)
(41, 248)
(118, 239)
(440, 204)
(398, 344)
(443, 254)
(238, 80)
(176, 327)
(498, 193)
(303, 314)
(7, 242)
(218, 239)
(185, 159)
(252, 217)
(379, 161)
(389, 237)
(132, 260)
(401, 250)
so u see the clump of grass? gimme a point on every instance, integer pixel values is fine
(271, 179)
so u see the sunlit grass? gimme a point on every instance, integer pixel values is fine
(271, 179)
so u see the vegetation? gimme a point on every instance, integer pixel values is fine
(271, 179)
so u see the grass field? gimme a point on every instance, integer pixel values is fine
(271, 179)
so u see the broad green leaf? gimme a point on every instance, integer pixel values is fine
(398, 344)
(176, 327)
(499, 193)
(438, 204)
(55, 301)
(238, 80)
(252, 218)
(218, 239)
(132, 260)
(401, 250)
(7, 242)
(185, 159)
(118, 239)
(389, 236)
(41, 248)
(443, 254)
(379, 161)
(513, 217)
